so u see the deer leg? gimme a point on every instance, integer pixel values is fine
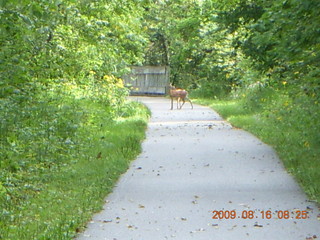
(190, 102)
(171, 103)
(183, 102)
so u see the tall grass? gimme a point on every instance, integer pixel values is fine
(59, 159)
(291, 125)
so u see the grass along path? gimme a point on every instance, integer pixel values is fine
(62, 198)
(291, 127)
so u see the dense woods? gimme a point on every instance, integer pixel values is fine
(219, 46)
(59, 58)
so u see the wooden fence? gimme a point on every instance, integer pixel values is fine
(148, 80)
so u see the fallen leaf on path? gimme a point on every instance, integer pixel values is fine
(256, 225)
(107, 221)
(312, 238)
(234, 226)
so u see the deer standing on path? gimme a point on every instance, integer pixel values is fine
(180, 95)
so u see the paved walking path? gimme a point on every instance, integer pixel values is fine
(194, 163)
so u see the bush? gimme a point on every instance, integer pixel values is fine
(61, 153)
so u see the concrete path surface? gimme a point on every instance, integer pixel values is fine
(199, 178)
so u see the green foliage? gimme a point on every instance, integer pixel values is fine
(52, 40)
(58, 164)
(291, 127)
(173, 31)
(59, 91)
(213, 46)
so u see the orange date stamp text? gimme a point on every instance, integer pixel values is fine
(260, 214)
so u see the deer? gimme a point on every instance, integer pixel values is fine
(180, 95)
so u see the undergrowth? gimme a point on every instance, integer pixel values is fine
(290, 124)
(59, 158)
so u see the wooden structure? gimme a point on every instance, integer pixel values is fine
(148, 80)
